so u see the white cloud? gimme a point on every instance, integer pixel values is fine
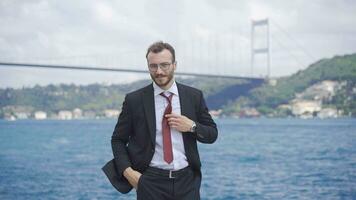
(208, 34)
(103, 11)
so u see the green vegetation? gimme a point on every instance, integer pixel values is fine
(340, 68)
(94, 97)
(345, 99)
(53, 98)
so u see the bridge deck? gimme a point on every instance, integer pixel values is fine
(8, 64)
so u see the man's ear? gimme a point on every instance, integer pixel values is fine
(175, 65)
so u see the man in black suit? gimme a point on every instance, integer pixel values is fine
(155, 139)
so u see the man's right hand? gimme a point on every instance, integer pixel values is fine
(132, 176)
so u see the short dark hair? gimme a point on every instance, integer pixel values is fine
(160, 46)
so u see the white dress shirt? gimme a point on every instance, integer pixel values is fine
(179, 158)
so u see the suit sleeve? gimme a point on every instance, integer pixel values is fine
(121, 137)
(206, 130)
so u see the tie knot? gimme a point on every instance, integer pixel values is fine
(169, 98)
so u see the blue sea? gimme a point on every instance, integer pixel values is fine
(252, 159)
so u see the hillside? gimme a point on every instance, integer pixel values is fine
(338, 68)
(268, 97)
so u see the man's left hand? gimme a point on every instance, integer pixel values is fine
(179, 122)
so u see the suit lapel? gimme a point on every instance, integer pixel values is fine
(184, 101)
(149, 106)
(187, 109)
(186, 105)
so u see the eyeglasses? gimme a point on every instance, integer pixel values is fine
(164, 66)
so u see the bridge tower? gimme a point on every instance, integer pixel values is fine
(260, 50)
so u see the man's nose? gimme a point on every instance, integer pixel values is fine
(159, 70)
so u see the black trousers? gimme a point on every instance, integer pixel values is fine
(157, 184)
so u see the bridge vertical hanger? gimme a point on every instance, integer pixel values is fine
(263, 50)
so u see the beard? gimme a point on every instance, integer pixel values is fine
(162, 80)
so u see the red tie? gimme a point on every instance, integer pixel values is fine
(166, 131)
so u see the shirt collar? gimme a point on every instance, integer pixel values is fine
(173, 89)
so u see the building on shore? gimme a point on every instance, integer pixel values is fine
(215, 113)
(305, 108)
(22, 115)
(328, 113)
(249, 113)
(40, 115)
(77, 113)
(9, 117)
(89, 114)
(65, 115)
(111, 113)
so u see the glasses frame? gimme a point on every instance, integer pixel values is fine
(164, 66)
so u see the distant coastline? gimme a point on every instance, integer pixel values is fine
(326, 89)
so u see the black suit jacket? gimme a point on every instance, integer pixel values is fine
(133, 140)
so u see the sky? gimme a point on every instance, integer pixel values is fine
(209, 36)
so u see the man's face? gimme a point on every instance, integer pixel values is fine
(161, 77)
